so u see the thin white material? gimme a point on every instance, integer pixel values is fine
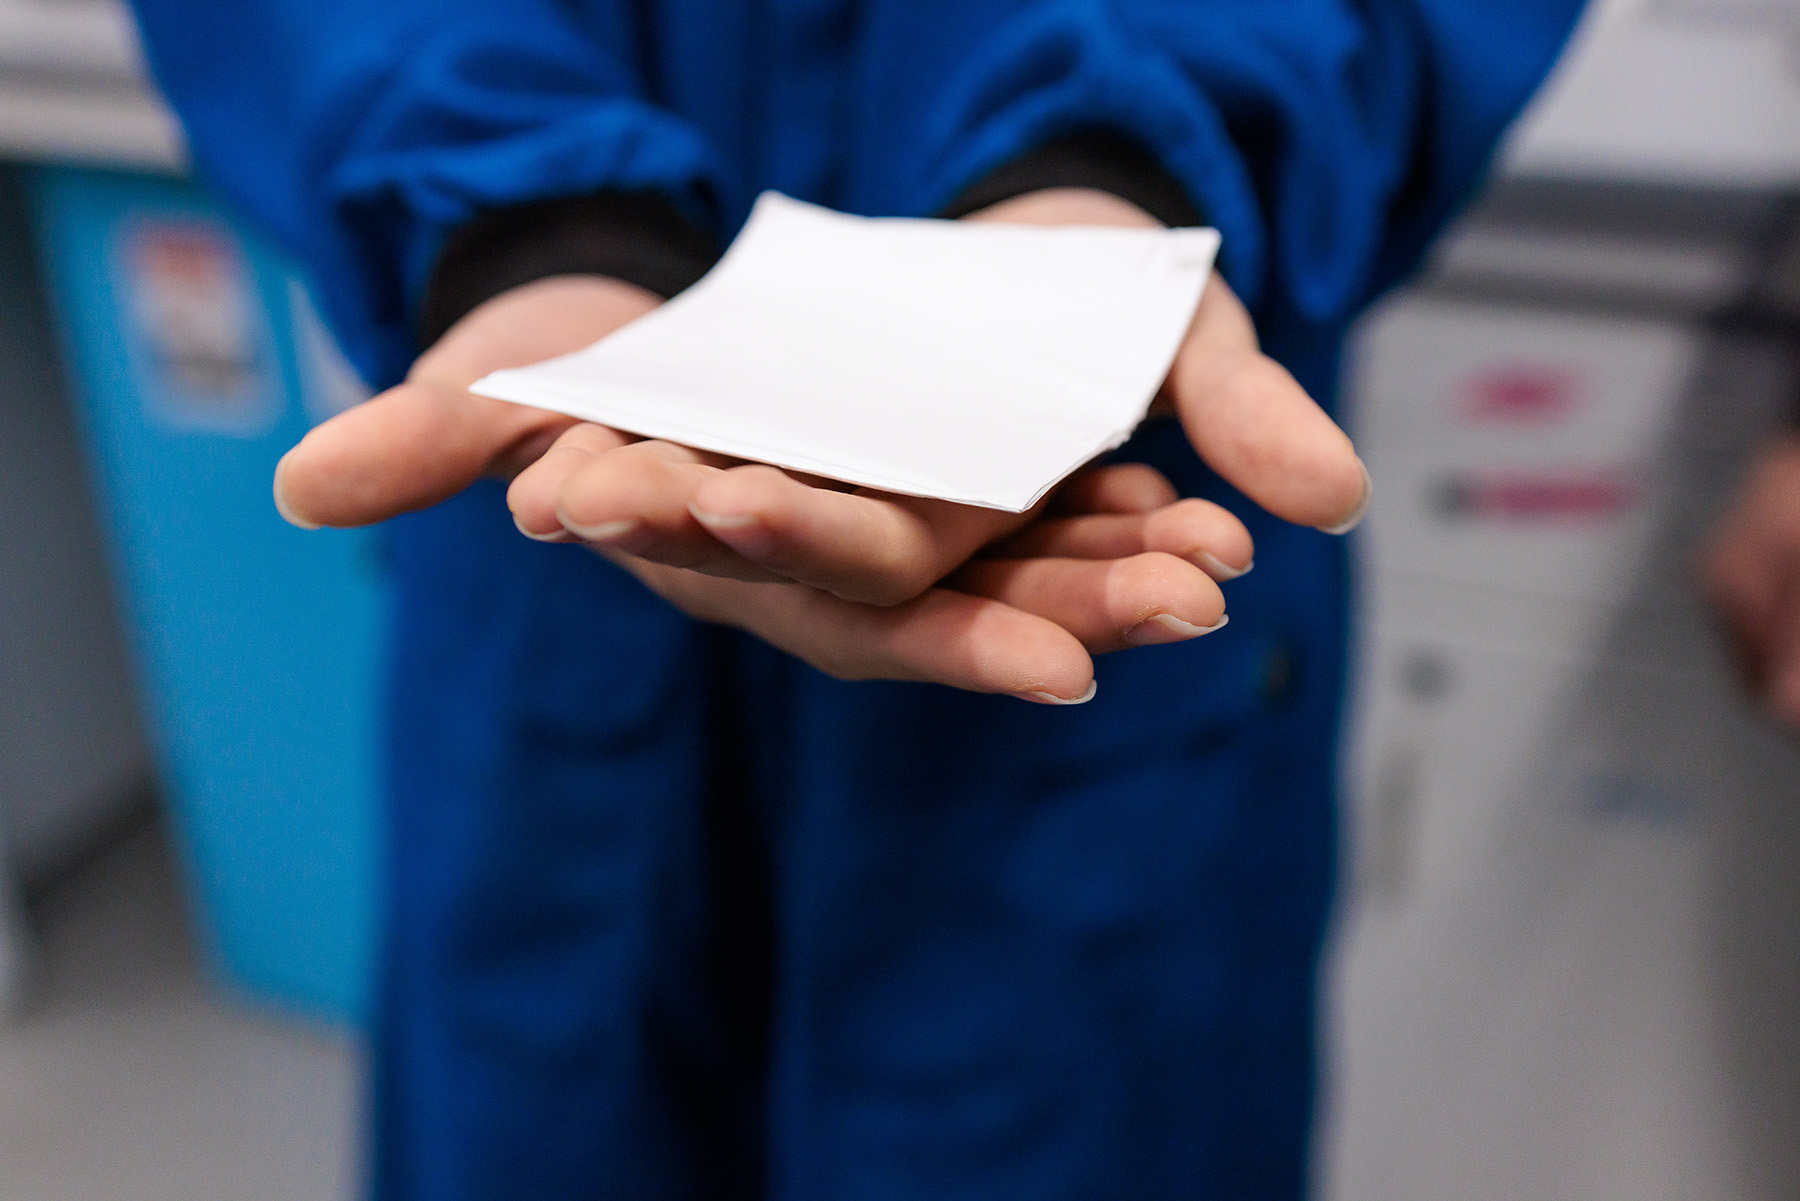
(972, 362)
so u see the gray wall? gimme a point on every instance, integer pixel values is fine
(72, 750)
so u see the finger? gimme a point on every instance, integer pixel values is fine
(532, 496)
(1205, 534)
(1120, 488)
(409, 448)
(1253, 424)
(635, 500)
(942, 637)
(1140, 601)
(861, 546)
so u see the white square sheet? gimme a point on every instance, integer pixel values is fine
(970, 361)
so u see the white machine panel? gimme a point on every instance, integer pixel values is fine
(1568, 955)
(1523, 451)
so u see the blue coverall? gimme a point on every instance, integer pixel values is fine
(672, 915)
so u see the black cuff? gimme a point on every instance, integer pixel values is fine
(638, 237)
(1094, 159)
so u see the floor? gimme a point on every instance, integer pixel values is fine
(129, 1079)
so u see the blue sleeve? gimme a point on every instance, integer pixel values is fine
(359, 133)
(1328, 139)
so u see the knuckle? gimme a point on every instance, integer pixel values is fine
(898, 564)
(576, 489)
(756, 484)
(755, 490)
(586, 439)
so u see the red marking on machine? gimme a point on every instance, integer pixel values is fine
(1521, 393)
(1540, 495)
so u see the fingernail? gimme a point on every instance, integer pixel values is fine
(1164, 627)
(557, 535)
(1362, 507)
(604, 531)
(287, 514)
(1220, 570)
(722, 521)
(1050, 698)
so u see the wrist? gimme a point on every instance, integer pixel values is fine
(1067, 206)
(1095, 161)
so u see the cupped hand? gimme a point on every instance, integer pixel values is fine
(1027, 626)
(1751, 575)
(1246, 416)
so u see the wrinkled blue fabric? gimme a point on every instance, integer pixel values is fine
(673, 916)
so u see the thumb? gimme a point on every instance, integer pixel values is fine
(429, 438)
(1255, 425)
(409, 448)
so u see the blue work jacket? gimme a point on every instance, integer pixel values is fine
(671, 915)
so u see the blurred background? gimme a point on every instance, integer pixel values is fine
(1566, 961)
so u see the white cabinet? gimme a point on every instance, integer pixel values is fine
(1568, 947)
